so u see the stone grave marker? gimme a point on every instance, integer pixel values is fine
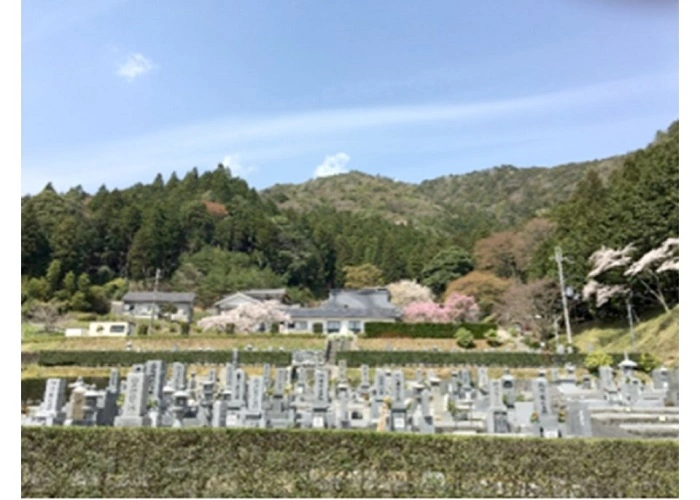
(548, 421)
(578, 419)
(179, 380)
(134, 411)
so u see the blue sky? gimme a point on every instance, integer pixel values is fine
(116, 91)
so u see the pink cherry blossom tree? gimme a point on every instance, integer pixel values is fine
(458, 308)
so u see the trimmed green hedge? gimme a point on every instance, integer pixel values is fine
(33, 388)
(510, 359)
(425, 330)
(70, 462)
(128, 358)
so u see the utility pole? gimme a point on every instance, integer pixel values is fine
(629, 317)
(558, 257)
(153, 304)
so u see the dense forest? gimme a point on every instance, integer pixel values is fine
(490, 233)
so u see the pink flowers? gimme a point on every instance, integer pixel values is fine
(247, 318)
(458, 308)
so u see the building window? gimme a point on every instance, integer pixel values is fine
(333, 327)
(301, 326)
(355, 326)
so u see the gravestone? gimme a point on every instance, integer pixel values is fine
(426, 424)
(238, 391)
(397, 416)
(218, 414)
(554, 374)
(155, 372)
(343, 370)
(76, 406)
(229, 372)
(548, 421)
(482, 379)
(364, 387)
(660, 378)
(578, 419)
(134, 411)
(266, 374)
(319, 417)
(607, 382)
(113, 384)
(234, 358)
(253, 415)
(508, 384)
(179, 380)
(281, 379)
(497, 417)
(51, 409)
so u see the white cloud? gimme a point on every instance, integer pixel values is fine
(332, 165)
(233, 163)
(135, 65)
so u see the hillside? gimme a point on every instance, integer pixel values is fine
(657, 334)
(503, 195)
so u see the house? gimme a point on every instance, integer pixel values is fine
(173, 305)
(345, 311)
(251, 296)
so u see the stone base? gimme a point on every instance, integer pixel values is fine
(123, 421)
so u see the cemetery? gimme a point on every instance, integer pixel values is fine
(312, 394)
(309, 429)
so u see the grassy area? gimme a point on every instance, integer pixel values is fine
(353, 374)
(155, 343)
(656, 334)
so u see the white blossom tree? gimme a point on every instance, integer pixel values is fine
(247, 318)
(406, 292)
(646, 271)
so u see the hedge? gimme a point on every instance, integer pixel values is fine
(33, 388)
(425, 330)
(71, 462)
(128, 358)
(510, 359)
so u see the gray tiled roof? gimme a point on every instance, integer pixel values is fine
(329, 312)
(160, 297)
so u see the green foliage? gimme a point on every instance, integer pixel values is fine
(184, 329)
(128, 358)
(445, 267)
(142, 329)
(424, 330)
(492, 338)
(317, 328)
(510, 359)
(72, 462)
(465, 338)
(648, 362)
(596, 359)
(363, 276)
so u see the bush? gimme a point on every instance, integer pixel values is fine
(492, 338)
(184, 329)
(647, 362)
(97, 462)
(86, 317)
(142, 329)
(596, 359)
(318, 328)
(425, 330)
(465, 338)
(128, 358)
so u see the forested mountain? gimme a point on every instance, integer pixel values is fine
(212, 234)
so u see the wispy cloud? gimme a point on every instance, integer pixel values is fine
(233, 163)
(135, 65)
(332, 165)
(263, 139)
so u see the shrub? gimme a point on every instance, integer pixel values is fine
(87, 317)
(142, 329)
(596, 359)
(184, 329)
(318, 328)
(465, 338)
(424, 330)
(647, 362)
(97, 462)
(492, 338)
(128, 358)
